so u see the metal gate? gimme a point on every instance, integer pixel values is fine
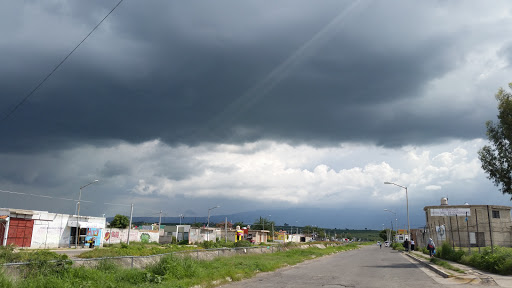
(20, 232)
(2, 232)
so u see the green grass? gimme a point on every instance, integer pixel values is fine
(446, 265)
(8, 255)
(134, 249)
(170, 271)
(498, 262)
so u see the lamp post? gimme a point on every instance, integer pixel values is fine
(78, 211)
(408, 224)
(396, 220)
(208, 225)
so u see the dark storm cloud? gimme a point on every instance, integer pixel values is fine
(193, 73)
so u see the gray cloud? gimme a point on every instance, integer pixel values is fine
(190, 74)
(228, 79)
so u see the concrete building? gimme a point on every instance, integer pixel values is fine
(253, 236)
(467, 225)
(178, 232)
(42, 229)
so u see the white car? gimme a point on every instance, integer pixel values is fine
(386, 244)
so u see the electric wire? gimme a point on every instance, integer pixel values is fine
(61, 198)
(57, 67)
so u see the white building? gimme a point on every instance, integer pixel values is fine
(42, 229)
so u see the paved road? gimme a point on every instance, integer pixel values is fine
(365, 267)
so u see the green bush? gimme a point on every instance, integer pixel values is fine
(243, 243)
(446, 252)
(209, 244)
(397, 246)
(44, 262)
(498, 262)
(171, 267)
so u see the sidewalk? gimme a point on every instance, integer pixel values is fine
(470, 276)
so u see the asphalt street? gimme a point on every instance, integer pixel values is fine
(365, 267)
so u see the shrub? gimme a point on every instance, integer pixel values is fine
(44, 262)
(171, 267)
(242, 243)
(498, 262)
(209, 244)
(447, 252)
(397, 246)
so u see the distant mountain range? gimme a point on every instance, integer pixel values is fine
(346, 218)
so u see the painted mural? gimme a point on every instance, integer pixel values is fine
(93, 236)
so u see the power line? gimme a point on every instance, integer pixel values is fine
(60, 198)
(57, 67)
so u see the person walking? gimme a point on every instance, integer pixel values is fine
(431, 246)
(412, 244)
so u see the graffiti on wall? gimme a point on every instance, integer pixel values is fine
(144, 237)
(113, 234)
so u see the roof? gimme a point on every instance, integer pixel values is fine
(467, 206)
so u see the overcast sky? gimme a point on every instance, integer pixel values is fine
(180, 106)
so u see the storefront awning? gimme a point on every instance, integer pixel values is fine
(82, 224)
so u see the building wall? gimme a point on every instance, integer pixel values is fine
(455, 228)
(116, 235)
(50, 230)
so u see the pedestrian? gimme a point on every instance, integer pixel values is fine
(431, 246)
(406, 244)
(412, 244)
(380, 244)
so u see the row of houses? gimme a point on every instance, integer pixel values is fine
(43, 230)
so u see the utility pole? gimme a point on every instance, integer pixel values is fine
(130, 226)
(160, 222)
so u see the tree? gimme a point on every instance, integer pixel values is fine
(262, 223)
(496, 158)
(120, 221)
(384, 234)
(223, 224)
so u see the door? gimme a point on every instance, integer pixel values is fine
(2, 232)
(20, 232)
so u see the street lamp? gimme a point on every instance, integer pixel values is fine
(208, 225)
(78, 211)
(408, 224)
(396, 220)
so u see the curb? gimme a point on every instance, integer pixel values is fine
(430, 266)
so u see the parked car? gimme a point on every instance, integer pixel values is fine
(386, 244)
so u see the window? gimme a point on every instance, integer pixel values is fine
(495, 214)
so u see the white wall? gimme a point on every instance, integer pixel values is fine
(116, 235)
(51, 230)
